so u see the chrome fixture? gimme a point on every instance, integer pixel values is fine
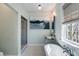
(68, 50)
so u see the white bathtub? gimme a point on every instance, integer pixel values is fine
(54, 50)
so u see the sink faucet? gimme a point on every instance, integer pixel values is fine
(68, 50)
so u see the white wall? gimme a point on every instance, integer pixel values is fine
(8, 30)
(19, 9)
(58, 22)
(36, 36)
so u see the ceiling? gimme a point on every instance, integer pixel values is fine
(33, 12)
(32, 9)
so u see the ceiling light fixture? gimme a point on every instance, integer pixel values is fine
(39, 7)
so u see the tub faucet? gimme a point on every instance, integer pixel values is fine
(68, 50)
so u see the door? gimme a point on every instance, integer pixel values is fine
(23, 32)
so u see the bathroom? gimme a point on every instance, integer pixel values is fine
(39, 40)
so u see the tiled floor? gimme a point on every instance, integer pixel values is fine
(34, 51)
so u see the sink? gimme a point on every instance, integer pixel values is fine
(54, 50)
(50, 37)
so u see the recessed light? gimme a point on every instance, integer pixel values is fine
(39, 7)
